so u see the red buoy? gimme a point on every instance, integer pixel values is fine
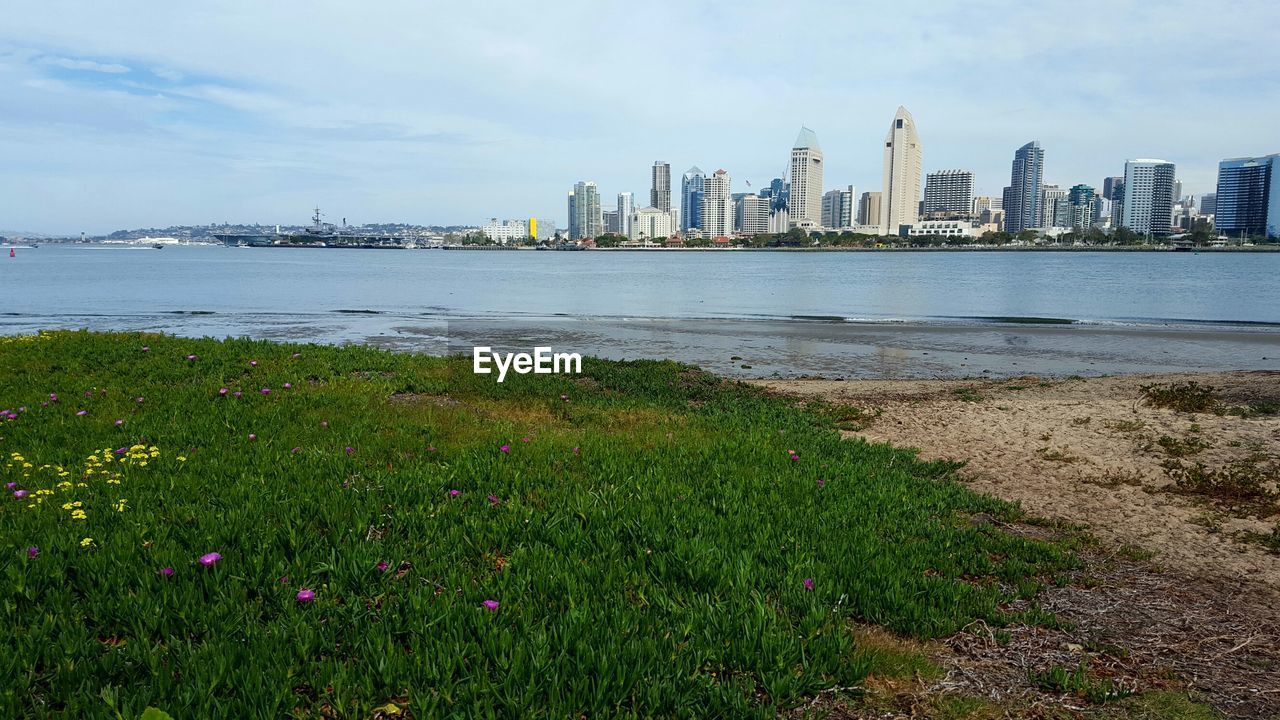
(10, 252)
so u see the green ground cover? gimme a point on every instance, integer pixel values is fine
(641, 540)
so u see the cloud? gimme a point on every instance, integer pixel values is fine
(90, 65)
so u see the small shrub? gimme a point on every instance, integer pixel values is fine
(1244, 483)
(1173, 447)
(1081, 421)
(968, 394)
(1188, 397)
(1125, 426)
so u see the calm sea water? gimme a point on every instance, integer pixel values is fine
(412, 298)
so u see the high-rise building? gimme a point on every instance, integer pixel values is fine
(585, 218)
(837, 208)
(1109, 186)
(1022, 197)
(651, 224)
(1209, 202)
(986, 202)
(1177, 190)
(751, 214)
(805, 203)
(626, 207)
(1248, 197)
(1148, 197)
(869, 209)
(691, 189)
(1081, 207)
(660, 188)
(612, 222)
(1053, 207)
(717, 206)
(948, 193)
(903, 159)
(542, 228)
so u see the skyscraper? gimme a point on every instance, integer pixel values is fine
(751, 214)
(805, 204)
(1053, 207)
(838, 208)
(1022, 197)
(717, 206)
(585, 218)
(1080, 201)
(1209, 201)
(869, 209)
(660, 188)
(691, 189)
(1248, 197)
(626, 207)
(903, 159)
(1148, 197)
(1109, 186)
(948, 193)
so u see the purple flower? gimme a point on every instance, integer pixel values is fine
(452, 493)
(33, 552)
(19, 494)
(237, 394)
(505, 448)
(222, 392)
(491, 605)
(252, 437)
(305, 595)
(146, 349)
(808, 583)
(191, 358)
(209, 559)
(165, 572)
(53, 397)
(10, 485)
(253, 363)
(82, 413)
(282, 579)
(820, 482)
(121, 451)
(266, 391)
(295, 451)
(119, 423)
(493, 500)
(382, 566)
(288, 386)
(350, 450)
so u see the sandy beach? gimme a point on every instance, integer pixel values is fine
(1088, 452)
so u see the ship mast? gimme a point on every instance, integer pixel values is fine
(315, 219)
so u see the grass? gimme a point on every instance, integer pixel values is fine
(968, 394)
(1180, 448)
(1077, 681)
(647, 540)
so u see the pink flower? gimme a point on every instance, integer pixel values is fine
(266, 391)
(820, 482)
(382, 566)
(252, 437)
(350, 450)
(305, 595)
(808, 583)
(165, 572)
(505, 448)
(253, 363)
(576, 451)
(431, 448)
(139, 398)
(191, 358)
(209, 559)
(53, 397)
(282, 579)
(288, 386)
(564, 398)
(452, 493)
(119, 423)
(19, 494)
(295, 451)
(524, 439)
(33, 552)
(146, 349)
(493, 500)
(222, 392)
(10, 485)
(491, 605)
(82, 413)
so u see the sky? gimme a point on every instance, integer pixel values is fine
(133, 114)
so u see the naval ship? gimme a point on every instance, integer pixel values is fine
(320, 234)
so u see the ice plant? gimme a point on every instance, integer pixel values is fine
(305, 595)
(191, 358)
(119, 423)
(209, 559)
(53, 397)
(10, 485)
(455, 493)
(222, 392)
(33, 552)
(505, 448)
(253, 363)
(146, 349)
(295, 451)
(350, 450)
(237, 394)
(252, 436)
(19, 494)
(493, 499)
(165, 572)
(382, 566)
(288, 386)
(266, 391)
(808, 583)
(82, 413)
(491, 605)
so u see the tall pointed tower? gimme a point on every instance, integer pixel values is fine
(903, 159)
(806, 181)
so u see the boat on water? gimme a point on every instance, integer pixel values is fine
(320, 235)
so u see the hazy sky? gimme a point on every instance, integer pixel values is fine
(130, 114)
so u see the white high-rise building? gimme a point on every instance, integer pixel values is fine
(626, 206)
(717, 206)
(948, 193)
(751, 215)
(838, 208)
(1148, 196)
(585, 217)
(805, 203)
(903, 159)
(1053, 207)
(651, 224)
(660, 187)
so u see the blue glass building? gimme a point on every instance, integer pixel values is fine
(1248, 201)
(691, 191)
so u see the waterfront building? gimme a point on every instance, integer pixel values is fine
(986, 202)
(626, 206)
(585, 217)
(1110, 185)
(948, 193)
(805, 202)
(717, 206)
(692, 186)
(650, 223)
(542, 228)
(869, 209)
(1022, 197)
(660, 186)
(1081, 210)
(612, 222)
(943, 228)
(837, 208)
(1148, 197)
(1209, 201)
(1053, 207)
(1248, 198)
(505, 231)
(903, 160)
(751, 214)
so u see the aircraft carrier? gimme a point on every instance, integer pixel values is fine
(320, 234)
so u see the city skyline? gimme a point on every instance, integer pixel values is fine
(133, 116)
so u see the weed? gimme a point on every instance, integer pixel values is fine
(1188, 397)
(1175, 448)
(1115, 477)
(1244, 484)
(968, 394)
(1125, 426)
(1077, 682)
(1058, 455)
(1081, 421)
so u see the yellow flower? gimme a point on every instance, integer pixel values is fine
(86, 542)
(182, 458)
(78, 515)
(142, 464)
(120, 505)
